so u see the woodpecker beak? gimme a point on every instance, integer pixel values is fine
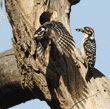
(82, 30)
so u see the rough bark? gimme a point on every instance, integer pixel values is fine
(62, 84)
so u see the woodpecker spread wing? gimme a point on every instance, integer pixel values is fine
(64, 40)
(59, 35)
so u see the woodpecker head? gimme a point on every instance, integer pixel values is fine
(87, 31)
(40, 33)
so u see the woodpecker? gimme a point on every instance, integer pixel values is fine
(57, 33)
(88, 46)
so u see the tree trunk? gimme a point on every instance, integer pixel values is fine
(62, 83)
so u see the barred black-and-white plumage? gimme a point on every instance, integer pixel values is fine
(40, 53)
(56, 32)
(88, 46)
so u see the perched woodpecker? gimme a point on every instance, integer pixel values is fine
(88, 46)
(57, 33)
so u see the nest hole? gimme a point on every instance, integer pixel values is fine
(45, 17)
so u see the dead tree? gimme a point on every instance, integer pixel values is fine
(62, 83)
